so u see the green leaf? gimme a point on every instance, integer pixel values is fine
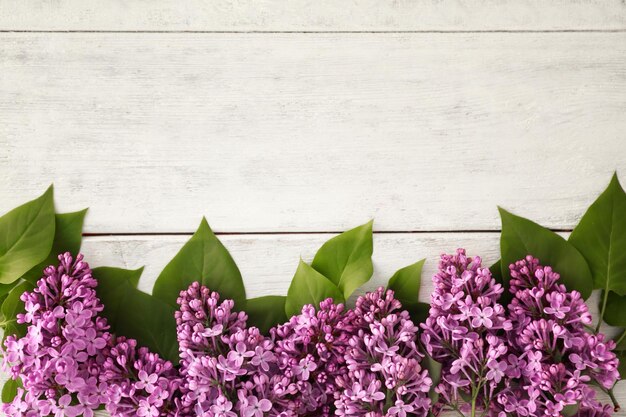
(9, 390)
(496, 271)
(405, 283)
(434, 372)
(569, 410)
(601, 238)
(521, 237)
(67, 238)
(266, 312)
(26, 235)
(11, 306)
(206, 260)
(346, 259)
(135, 314)
(419, 311)
(309, 287)
(5, 289)
(615, 313)
(406, 286)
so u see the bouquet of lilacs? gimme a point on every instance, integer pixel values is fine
(537, 359)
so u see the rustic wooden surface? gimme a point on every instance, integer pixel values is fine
(284, 122)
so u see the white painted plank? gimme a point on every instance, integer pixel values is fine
(309, 15)
(268, 262)
(302, 132)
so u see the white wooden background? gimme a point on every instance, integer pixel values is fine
(286, 122)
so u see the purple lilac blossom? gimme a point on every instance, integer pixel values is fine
(384, 375)
(553, 359)
(310, 350)
(227, 368)
(140, 383)
(465, 333)
(60, 358)
(68, 362)
(538, 360)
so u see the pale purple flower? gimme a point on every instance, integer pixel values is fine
(400, 409)
(256, 407)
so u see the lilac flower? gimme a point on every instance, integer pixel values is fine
(400, 409)
(139, 382)
(310, 350)
(550, 344)
(465, 332)
(537, 361)
(383, 362)
(204, 325)
(222, 359)
(63, 349)
(256, 407)
(68, 362)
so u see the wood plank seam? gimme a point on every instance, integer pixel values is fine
(315, 32)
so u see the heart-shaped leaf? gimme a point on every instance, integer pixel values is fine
(266, 312)
(26, 235)
(309, 287)
(67, 238)
(204, 259)
(11, 306)
(346, 259)
(406, 286)
(521, 237)
(135, 314)
(601, 238)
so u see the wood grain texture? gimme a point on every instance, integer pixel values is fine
(310, 15)
(312, 132)
(268, 262)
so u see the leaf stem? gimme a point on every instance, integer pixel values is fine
(620, 338)
(605, 298)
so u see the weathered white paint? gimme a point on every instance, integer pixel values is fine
(312, 132)
(312, 15)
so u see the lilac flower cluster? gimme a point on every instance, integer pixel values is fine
(553, 358)
(537, 359)
(384, 374)
(68, 362)
(227, 368)
(311, 349)
(139, 382)
(465, 332)
(313, 365)
(60, 358)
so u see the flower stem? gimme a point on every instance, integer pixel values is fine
(616, 406)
